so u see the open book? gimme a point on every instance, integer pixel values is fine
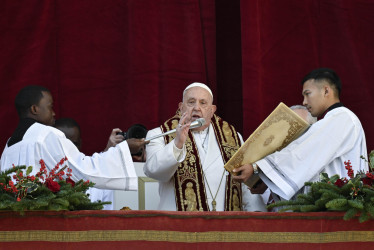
(279, 129)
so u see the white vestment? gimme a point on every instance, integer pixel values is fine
(112, 169)
(324, 148)
(96, 194)
(162, 163)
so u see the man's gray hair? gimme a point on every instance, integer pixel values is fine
(310, 118)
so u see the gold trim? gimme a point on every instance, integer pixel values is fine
(141, 190)
(188, 237)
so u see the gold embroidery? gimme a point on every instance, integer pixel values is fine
(295, 127)
(174, 124)
(236, 201)
(190, 198)
(227, 151)
(228, 134)
(269, 140)
(190, 172)
(188, 237)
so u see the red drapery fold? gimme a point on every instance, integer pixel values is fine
(114, 63)
(282, 42)
(107, 63)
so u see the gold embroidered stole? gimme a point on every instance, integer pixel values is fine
(190, 192)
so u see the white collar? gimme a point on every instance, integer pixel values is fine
(205, 131)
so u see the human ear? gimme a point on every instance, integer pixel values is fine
(34, 109)
(327, 90)
(214, 108)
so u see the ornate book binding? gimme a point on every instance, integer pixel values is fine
(278, 130)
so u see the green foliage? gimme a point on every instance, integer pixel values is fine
(337, 204)
(356, 204)
(351, 212)
(371, 160)
(27, 194)
(336, 194)
(308, 208)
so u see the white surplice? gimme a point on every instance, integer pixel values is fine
(112, 169)
(328, 143)
(162, 163)
(96, 194)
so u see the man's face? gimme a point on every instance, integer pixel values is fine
(197, 102)
(73, 134)
(44, 110)
(314, 97)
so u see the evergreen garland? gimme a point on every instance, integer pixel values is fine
(44, 192)
(354, 196)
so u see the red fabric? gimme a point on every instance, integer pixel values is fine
(200, 223)
(113, 63)
(283, 41)
(108, 63)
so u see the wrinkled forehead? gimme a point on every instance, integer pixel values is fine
(197, 93)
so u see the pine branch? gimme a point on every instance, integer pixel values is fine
(350, 213)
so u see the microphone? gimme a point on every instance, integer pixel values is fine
(195, 124)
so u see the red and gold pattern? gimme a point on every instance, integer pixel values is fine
(182, 230)
(188, 179)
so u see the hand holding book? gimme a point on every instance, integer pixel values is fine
(279, 129)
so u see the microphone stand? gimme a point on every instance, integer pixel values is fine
(196, 124)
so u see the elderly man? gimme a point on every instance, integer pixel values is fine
(189, 164)
(303, 112)
(336, 138)
(35, 139)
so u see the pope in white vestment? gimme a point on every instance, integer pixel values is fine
(51, 145)
(189, 166)
(163, 160)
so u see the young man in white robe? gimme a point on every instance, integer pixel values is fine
(336, 138)
(35, 139)
(267, 196)
(72, 131)
(189, 165)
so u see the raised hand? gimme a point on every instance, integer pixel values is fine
(114, 139)
(182, 130)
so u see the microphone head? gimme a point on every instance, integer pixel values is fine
(197, 123)
(200, 121)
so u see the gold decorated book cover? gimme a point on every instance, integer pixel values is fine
(279, 129)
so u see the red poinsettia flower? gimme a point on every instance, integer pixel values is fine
(339, 183)
(52, 185)
(367, 181)
(72, 183)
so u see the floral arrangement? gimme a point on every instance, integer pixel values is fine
(44, 191)
(355, 195)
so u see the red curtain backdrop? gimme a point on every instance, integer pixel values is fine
(108, 63)
(113, 63)
(282, 41)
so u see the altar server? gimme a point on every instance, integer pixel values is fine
(35, 139)
(72, 131)
(189, 164)
(336, 138)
